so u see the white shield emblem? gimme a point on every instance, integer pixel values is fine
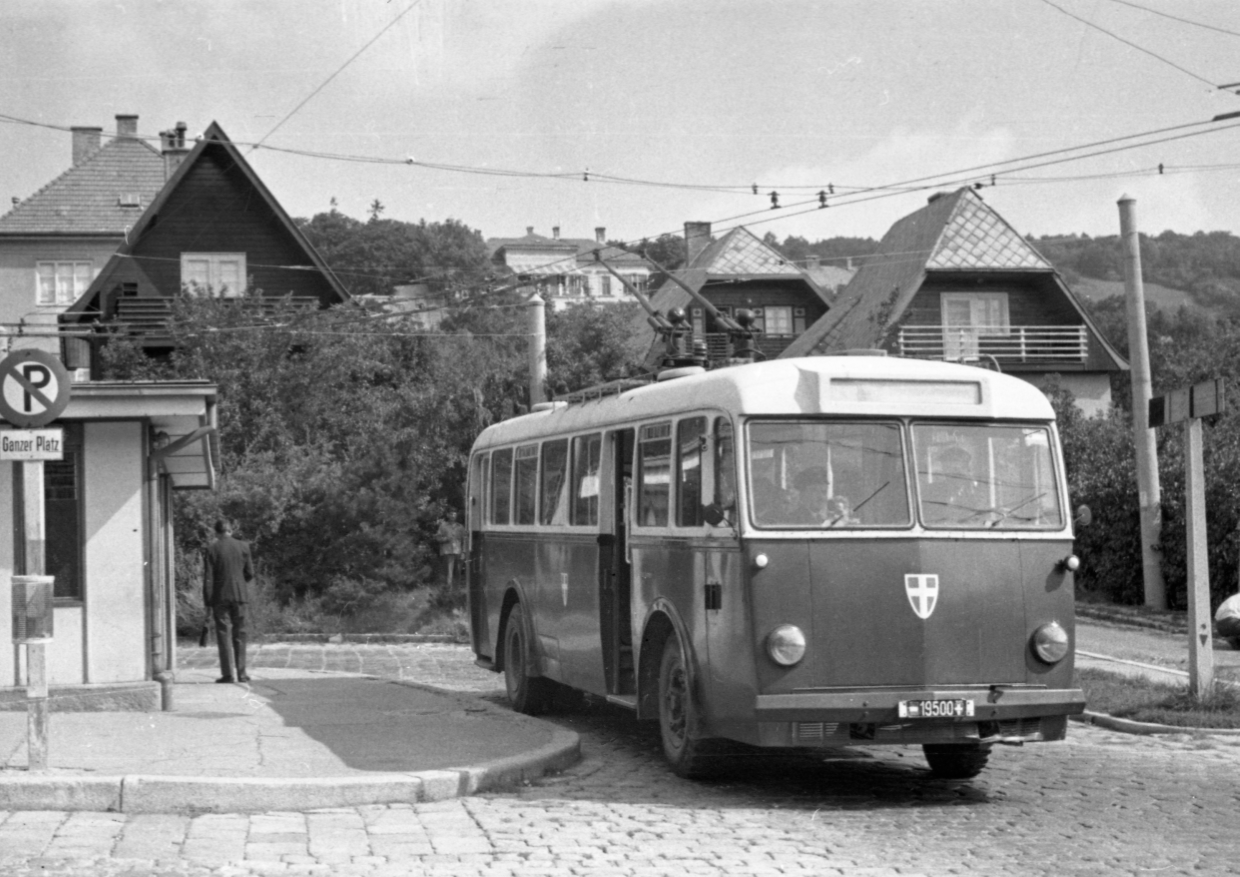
(923, 593)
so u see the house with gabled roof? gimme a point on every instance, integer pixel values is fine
(739, 271)
(213, 229)
(954, 281)
(566, 271)
(54, 242)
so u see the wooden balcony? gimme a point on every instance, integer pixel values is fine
(146, 317)
(1015, 344)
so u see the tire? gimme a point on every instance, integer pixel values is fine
(689, 755)
(955, 762)
(527, 694)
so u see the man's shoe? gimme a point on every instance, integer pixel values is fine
(225, 679)
(243, 678)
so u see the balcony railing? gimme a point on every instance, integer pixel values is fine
(1013, 344)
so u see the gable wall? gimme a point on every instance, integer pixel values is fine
(216, 210)
(1029, 303)
(758, 294)
(18, 260)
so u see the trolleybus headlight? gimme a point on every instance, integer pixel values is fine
(761, 560)
(786, 644)
(1050, 642)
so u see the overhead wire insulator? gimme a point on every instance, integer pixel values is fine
(774, 200)
(822, 199)
(755, 188)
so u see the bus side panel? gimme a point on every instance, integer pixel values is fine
(507, 559)
(1050, 595)
(729, 683)
(567, 610)
(663, 567)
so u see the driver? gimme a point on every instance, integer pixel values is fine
(815, 505)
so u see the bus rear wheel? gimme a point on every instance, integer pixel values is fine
(690, 756)
(955, 762)
(527, 694)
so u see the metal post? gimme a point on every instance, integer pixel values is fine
(1148, 489)
(1200, 635)
(36, 658)
(538, 350)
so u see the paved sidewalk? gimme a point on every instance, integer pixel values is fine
(293, 739)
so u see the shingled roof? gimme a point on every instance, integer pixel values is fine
(955, 231)
(103, 195)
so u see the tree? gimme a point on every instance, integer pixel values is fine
(372, 257)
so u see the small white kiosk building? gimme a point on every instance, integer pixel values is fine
(109, 538)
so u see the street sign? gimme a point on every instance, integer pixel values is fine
(34, 388)
(32, 444)
(1199, 400)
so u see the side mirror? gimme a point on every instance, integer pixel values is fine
(713, 515)
(1084, 517)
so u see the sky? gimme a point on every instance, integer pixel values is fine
(639, 115)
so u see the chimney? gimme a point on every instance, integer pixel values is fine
(600, 234)
(555, 232)
(85, 143)
(172, 146)
(126, 126)
(529, 230)
(697, 238)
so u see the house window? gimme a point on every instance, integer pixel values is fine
(778, 320)
(219, 274)
(967, 316)
(606, 284)
(61, 283)
(638, 281)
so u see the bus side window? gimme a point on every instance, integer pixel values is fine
(690, 437)
(654, 452)
(725, 472)
(554, 505)
(526, 484)
(501, 486)
(587, 450)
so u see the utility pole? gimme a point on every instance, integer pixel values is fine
(538, 349)
(1148, 488)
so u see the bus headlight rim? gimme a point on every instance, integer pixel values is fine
(786, 645)
(1050, 643)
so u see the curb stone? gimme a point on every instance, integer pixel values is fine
(1128, 726)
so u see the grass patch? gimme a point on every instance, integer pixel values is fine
(1142, 700)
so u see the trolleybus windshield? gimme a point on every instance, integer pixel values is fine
(828, 474)
(986, 477)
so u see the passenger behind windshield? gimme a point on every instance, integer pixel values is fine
(954, 496)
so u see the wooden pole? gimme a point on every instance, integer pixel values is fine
(36, 658)
(1200, 642)
(1148, 489)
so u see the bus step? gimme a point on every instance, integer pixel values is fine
(625, 700)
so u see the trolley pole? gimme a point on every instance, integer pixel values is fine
(1148, 488)
(538, 349)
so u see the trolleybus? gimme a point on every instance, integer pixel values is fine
(802, 553)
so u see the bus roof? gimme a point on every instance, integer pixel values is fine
(845, 385)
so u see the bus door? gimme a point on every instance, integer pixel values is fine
(615, 578)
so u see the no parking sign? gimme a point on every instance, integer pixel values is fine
(34, 388)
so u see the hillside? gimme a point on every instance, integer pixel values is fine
(1092, 290)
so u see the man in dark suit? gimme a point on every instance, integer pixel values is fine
(227, 573)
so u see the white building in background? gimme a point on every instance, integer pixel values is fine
(566, 271)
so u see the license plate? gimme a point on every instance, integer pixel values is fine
(935, 709)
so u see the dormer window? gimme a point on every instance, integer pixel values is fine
(129, 200)
(217, 274)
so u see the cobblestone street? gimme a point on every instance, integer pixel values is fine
(1102, 803)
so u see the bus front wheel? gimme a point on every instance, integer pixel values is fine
(954, 762)
(689, 756)
(527, 694)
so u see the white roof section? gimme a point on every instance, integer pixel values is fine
(862, 385)
(181, 414)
